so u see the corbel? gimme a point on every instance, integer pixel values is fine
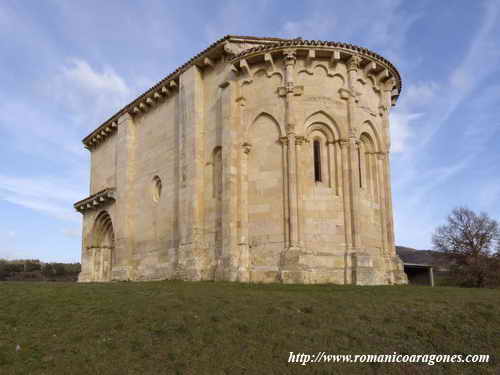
(311, 55)
(334, 60)
(164, 91)
(208, 61)
(234, 69)
(268, 58)
(384, 75)
(370, 67)
(245, 67)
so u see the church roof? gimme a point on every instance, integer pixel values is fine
(163, 87)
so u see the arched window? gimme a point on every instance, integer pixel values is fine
(360, 167)
(156, 188)
(367, 166)
(317, 160)
(217, 173)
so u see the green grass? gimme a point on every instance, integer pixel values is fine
(175, 327)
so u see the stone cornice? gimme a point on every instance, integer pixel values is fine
(206, 59)
(96, 200)
(167, 85)
(336, 51)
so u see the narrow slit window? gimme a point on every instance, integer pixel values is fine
(217, 173)
(317, 161)
(360, 171)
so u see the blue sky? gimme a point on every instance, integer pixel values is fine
(68, 65)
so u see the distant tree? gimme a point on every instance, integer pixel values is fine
(31, 265)
(471, 242)
(47, 270)
(14, 266)
(59, 269)
(72, 268)
(3, 269)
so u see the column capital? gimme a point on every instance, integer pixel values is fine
(247, 147)
(300, 139)
(381, 155)
(353, 63)
(284, 140)
(342, 142)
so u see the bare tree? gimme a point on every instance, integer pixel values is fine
(470, 241)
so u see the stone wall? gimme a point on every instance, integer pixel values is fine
(219, 178)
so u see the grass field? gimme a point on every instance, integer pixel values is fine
(175, 327)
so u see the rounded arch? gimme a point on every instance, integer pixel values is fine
(321, 128)
(321, 68)
(265, 72)
(320, 120)
(369, 130)
(367, 140)
(102, 232)
(267, 115)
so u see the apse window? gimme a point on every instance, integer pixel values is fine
(317, 160)
(156, 188)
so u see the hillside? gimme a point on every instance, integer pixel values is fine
(175, 327)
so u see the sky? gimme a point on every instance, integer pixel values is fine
(66, 66)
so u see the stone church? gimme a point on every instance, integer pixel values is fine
(258, 160)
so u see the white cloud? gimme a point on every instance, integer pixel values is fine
(420, 94)
(88, 95)
(401, 131)
(72, 232)
(370, 24)
(87, 79)
(50, 196)
(409, 113)
(481, 60)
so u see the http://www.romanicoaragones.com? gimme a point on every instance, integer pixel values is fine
(429, 359)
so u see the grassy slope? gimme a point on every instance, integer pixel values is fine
(227, 328)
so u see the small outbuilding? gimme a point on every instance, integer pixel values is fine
(419, 274)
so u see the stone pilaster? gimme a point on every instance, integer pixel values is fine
(230, 158)
(353, 144)
(299, 141)
(244, 256)
(362, 263)
(291, 270)
(126, 202)
(346, 199)
(290, 60)
(192, 260)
